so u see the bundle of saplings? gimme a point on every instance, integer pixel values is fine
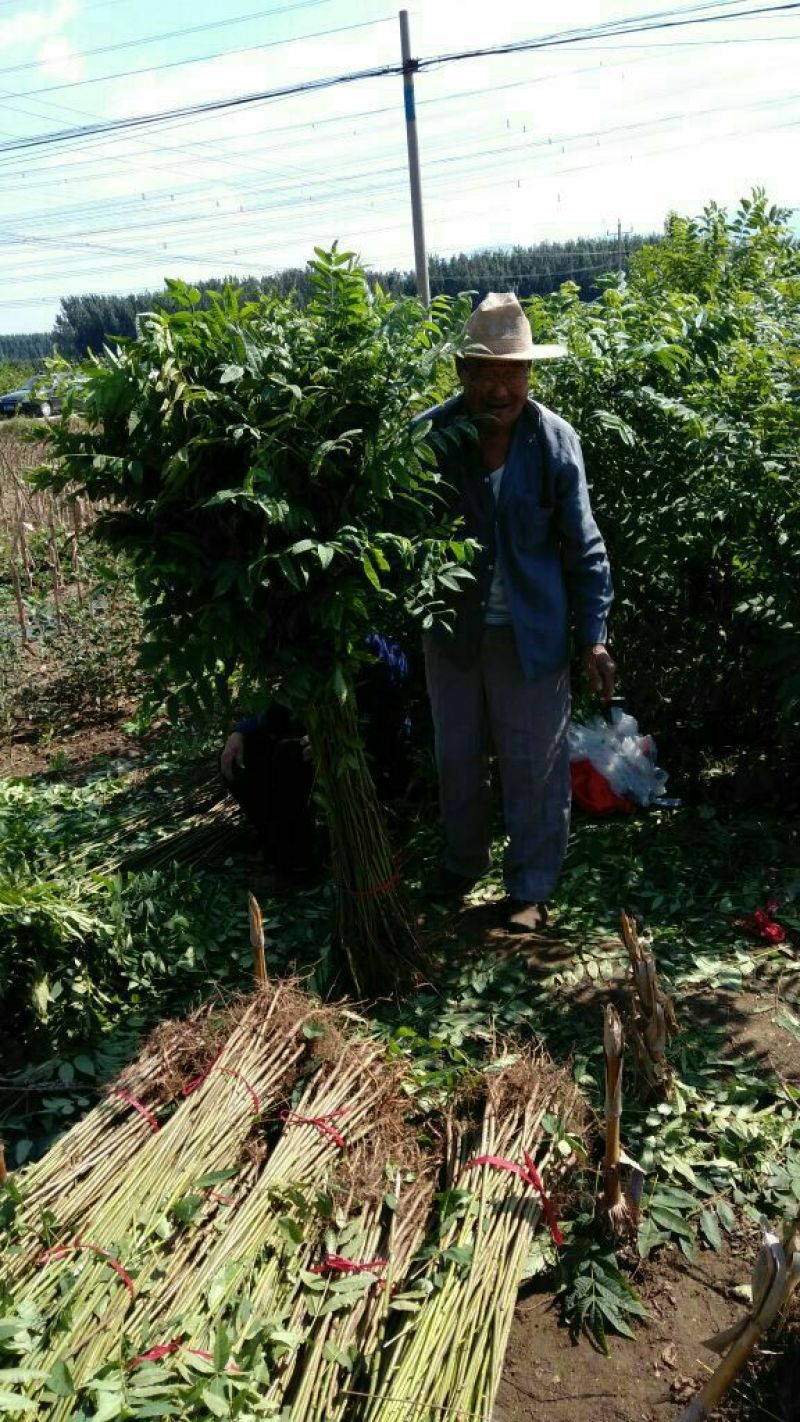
(257, 1221)
(257, 465)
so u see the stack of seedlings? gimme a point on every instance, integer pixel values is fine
(251, 1225)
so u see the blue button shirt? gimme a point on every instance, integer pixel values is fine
(542, 532)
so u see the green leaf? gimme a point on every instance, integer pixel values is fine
(710, 1229)
(15, 1402)
(222, 1347)
(59, 1380)
(215, 1404)
(726, 1215)
(291, 1230)
(369, 569)
(217, 1177)
(230, 374)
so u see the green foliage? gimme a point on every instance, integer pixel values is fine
(81, 948)
(14, 373)
(593, 1293)
(684, 386)
(277, 507)
(88, 322)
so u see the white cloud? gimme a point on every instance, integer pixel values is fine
(60, 60)
(26, 29)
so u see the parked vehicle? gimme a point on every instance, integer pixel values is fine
(38, 396)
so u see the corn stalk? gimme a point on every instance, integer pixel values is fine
(614, 1202)
(257, 939)
(775, 1277)
(651, 1021)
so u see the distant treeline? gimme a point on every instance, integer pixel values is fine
(86, 322)
(19, 349)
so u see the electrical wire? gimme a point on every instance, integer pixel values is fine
(134, 122)
(198, 59)
(333, 189)
(175, 34)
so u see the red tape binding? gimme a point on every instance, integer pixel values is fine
(336, 1264)
(322, 1123)
(547, 1204)
(529, 1176)
(138, 1106)
(163, 1350)
(62, 1250)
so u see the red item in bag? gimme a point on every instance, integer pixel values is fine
(592, 791)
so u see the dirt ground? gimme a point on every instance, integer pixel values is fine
(652, 1378)
(23, 754)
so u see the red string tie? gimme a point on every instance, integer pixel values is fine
(62, 1250)
(237, 1075)
(375, 889)
(222, 1199)
(138, 1106)
(336, 1264)
(163, 1350)
(322, 1123)
(529, 1175)
(197, 1081)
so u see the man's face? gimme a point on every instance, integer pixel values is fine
(495, 389)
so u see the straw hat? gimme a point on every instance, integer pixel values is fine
(498, 329)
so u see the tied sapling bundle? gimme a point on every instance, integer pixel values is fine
(259, 468)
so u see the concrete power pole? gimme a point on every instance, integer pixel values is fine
(620, 254)
(420, 255)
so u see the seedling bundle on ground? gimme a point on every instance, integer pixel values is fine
(254, 1223)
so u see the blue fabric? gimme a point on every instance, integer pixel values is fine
(542, 532)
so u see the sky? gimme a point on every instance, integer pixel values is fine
(550, 144)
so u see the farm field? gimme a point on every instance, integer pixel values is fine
(125, 872)
(692, 873)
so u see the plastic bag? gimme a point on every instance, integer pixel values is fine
(624, 759)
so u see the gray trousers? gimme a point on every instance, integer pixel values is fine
(482, 699)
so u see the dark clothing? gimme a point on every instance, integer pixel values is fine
(275, 786)
(542, 532)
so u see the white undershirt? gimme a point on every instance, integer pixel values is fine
(497, 609)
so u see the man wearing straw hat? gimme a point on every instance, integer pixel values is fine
(500, 674)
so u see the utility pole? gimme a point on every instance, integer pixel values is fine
(420, 255)
(619, 243)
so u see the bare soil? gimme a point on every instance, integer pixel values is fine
(24, 754)
(652, 1378)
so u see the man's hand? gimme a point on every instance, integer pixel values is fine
(232, 754)
(601, 670)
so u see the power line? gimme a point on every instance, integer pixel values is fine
(174, 34)
(139, 121)
(330, 189)
(200, 58)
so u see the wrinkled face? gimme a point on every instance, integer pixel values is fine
(495, 389)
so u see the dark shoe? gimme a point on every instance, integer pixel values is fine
(448, 884)
(524, 917)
